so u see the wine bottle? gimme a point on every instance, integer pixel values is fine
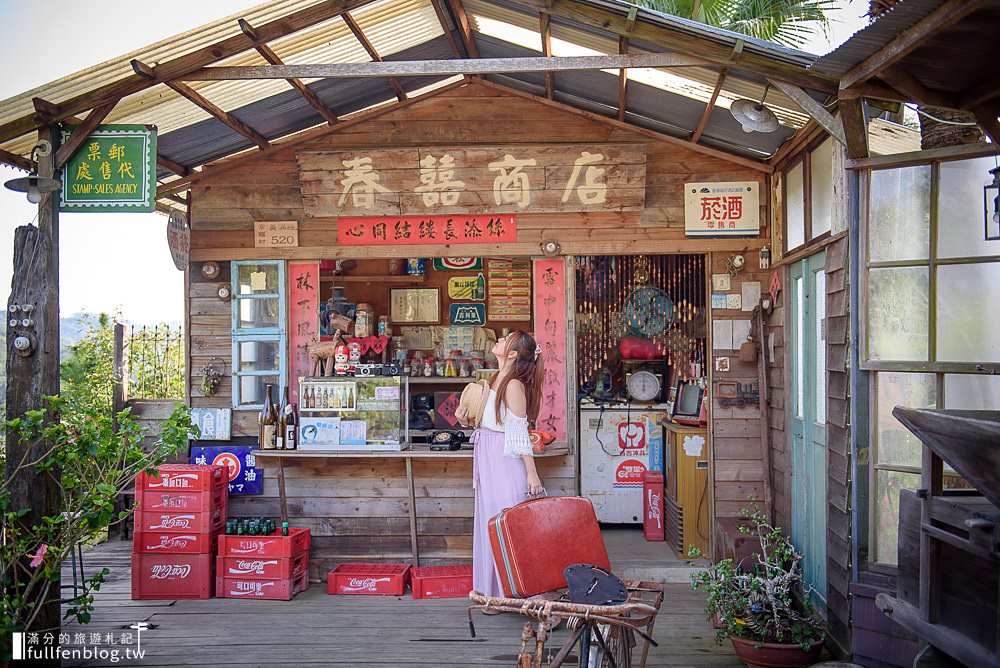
(268, 422)
(291, 427)
(279, 434)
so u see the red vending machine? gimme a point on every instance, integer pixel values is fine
(652, 505)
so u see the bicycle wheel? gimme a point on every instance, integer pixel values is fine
(617, 649)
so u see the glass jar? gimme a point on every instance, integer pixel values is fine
(450, 368)
(364, 320)
(464, 368)
(415, 266)
(439, 367)
(429, 367)
(476, 360)
(417, 366)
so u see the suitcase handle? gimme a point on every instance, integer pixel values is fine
(541, 494)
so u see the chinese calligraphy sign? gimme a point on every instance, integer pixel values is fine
(380, 231)
(550, 332)
(114, 170)
(303, 326)
(722, 209)
(473, 180)
(276, 234)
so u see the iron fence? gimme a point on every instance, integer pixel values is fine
(154, 363)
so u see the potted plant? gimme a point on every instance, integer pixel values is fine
(754, 604)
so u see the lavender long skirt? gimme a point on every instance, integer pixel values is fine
(499, 482)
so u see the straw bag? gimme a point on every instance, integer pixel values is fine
(474, 398)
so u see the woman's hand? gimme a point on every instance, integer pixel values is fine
(534, 485)
(462, 415)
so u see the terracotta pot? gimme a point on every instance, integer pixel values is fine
(773, 655)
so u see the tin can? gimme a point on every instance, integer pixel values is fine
(415, 266)
(384, 326)
(364, 320)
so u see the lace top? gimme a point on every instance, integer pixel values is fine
(516, 442)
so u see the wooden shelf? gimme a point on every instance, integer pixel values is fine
(438, 380)
(395, 280)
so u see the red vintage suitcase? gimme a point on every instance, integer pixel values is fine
(534, 541)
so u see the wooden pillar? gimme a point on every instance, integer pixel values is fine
(29, 377)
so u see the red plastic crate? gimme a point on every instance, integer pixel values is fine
(382, 579)
(276, 590)
(160, 521)
(274, 545)
(181, 501)
(170, 576)
(187, 477)
(159, 542)
(273, 568)
(441, 581)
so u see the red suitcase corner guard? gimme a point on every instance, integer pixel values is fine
(379, 579)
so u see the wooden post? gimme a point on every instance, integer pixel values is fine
(30, 376)
(765, 413)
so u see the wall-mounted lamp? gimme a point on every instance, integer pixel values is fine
(210, 270)
(224, 293)
(34, 185)
(765, 257)
(551, 248)
(991, 204)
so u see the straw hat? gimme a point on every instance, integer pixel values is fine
(474, 400)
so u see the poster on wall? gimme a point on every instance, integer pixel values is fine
(214, 424)
(509, 289)
(467, 288)
(550, 333)
(244, 476)
(457, 263)
(722, 209)
(303, 305)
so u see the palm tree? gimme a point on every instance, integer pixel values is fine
(785, 22)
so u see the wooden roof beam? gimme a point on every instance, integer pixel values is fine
(14, 160)
(703, 121)
(986, 116)
(464, 29)
(81, 133)
(185, 91)
(175, 167)
(852, 115)
(984, 92)
(913, 90)
(815, 110)
(622, 80)
(270, 56)
(172, 69)
(370, 48)
(443, 20)
(546, 32)
(909, 40)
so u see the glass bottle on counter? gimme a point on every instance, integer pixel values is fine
(291, 427)
(268, 421)
(279, 433)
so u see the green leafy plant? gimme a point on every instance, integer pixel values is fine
(757, 602)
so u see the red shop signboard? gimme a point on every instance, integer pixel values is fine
(394, 230)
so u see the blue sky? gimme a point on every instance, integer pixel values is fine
(120, 262)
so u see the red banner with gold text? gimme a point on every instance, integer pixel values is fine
(385, 231)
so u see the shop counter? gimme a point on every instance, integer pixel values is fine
(415, 451)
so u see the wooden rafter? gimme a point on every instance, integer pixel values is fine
(443, 20)
(987, 119)
(947, 14)
(622, 80)
(270, 56)
(14, 160)
(46, 112)
(703, 121)
(984, 92)
(815, 110)
(174, 167)
(464, 29)
(852, 115)
(81, 133)
(185, 91)
(450, 66)
(171, 69)
(913, 90)
(803, 137)
(545, 30)
(370, 48)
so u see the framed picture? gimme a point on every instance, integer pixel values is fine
(415, 306)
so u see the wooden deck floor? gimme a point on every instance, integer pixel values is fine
(315, 629)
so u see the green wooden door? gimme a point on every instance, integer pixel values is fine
(808, 419)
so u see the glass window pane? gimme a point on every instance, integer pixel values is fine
(800, 379)
(820, 346)
(257, 313)
(886, 521)
(972, 392)
(968, 313)
(898, 314)
(821, 187)
(252, 389)
(960, 209)
(258, 356)
(257, 279)
(899, 214)
(896, 445)
(795, 221)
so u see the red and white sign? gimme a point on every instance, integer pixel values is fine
(458, 229)
(303, 304)
(632, 436)
(629, 473)
(550, 333)
(722, 209)
(231, 462)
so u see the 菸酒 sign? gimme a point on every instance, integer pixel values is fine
(114, 170)
(722, 209)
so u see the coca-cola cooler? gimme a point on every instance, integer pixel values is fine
(617, 447)
(652, 500)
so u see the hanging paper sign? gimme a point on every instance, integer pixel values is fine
(276, 234)
(550, 333)
(303, 305)
(179, 239)
(458, 263)
(467, 287)
(240, 462)
(467, 315)
(214, 424)
(397, 230)
(114, 170)
(722, 209)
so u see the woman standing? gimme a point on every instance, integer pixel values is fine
(503, 469)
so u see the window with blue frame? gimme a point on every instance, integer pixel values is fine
(258, 331)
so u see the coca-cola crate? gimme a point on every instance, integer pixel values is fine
(273, 568)
(441, 581)
(277, 590)
(160, 542)
(170, 576)
(183, 522)
(181, 501)
(274, 545)
(383, 579)
(187, 477)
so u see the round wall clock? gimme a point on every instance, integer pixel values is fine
(648, 311)
(643, 386)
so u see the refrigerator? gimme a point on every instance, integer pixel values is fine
(618, 444)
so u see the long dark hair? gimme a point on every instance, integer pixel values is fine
(527, 368)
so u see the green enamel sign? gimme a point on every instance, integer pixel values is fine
(114, 170)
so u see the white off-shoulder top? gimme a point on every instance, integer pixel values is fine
(516, 442)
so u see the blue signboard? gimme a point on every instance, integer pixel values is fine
(468, 315)
(244, 476)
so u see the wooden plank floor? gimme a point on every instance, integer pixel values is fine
(315, 629)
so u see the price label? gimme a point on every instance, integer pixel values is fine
(276, 234)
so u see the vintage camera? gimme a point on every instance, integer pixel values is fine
(447, 440)
(366, 370)
(391, 369)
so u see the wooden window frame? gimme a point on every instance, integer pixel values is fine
(275, 334)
